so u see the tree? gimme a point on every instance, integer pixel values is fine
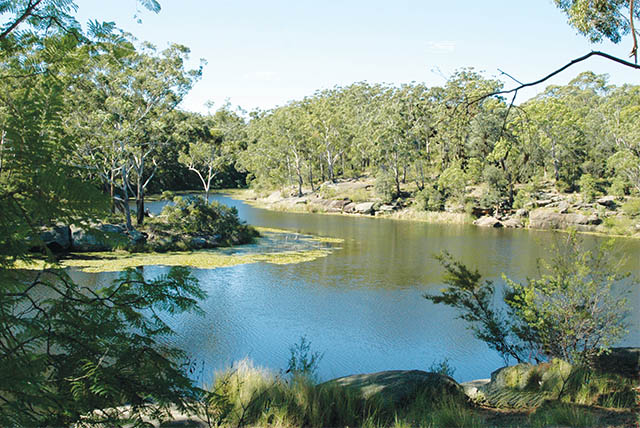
(68, 351)
(570, 312)
(129, 98)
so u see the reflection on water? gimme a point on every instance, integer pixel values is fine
(362, 305)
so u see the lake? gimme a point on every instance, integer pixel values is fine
(362, 305)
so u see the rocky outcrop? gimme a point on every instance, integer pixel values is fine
(488, 221)
(57, 238)
(364, 208)
(550, 220)
(401, 386)
(607, 201)
(103, 237)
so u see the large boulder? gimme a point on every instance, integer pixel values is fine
(103, 237)
(364, 207)
(401, 386)
(548, 219)
(607, 201)
(488, 221)
(57, 238)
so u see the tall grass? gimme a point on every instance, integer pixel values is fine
(564, 415)
(252, 396)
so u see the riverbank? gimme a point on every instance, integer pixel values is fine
(544, 210)
(524, 395)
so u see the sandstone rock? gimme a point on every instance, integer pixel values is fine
(88, 240)
(364, 208)
(274, 197)
(547, 219)
(339, 204)
(522, 212)
(488, 221)
(607, 201)
(349, 208)
(401, 386)
(475, 389)
(513, 223)
(57, 238)
(386, 208)
(563, 207)
(543, 202)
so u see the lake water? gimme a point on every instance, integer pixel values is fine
(361, 306)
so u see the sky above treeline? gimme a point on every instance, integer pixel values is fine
(261, 54)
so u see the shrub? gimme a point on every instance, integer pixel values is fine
(302, 361)
(632, 207)
(443, 367)
(618, 187)
(194, 216)
(588, 187)
(567, 313)
(429, 199)
(385, 187)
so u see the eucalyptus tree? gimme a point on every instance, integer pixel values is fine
(124, 111)
(327, 118)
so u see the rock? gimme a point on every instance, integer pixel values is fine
(607, 201)
(339, 204)
(594, 219)
(622, 361)
(543, 202)
(386, 208)
(88, 240)
(563, 207)
(475, 389)
(57, 238)
(364, 208)
(101, 237)
(401, 386)
(274, 197)
(488, 221)
(349, 208)
(547, 219)
(513, 223)
(511, 376)
(522, 212)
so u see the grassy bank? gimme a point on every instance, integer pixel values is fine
(251, 396)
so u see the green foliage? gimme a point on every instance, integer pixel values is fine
(443, 367)
(522, 198)
(74, 350)
(452, 181)
(429, 199)
(632, 207)
(385, 187)
(588, 187)
(618, 187)
(563, 415)
(302, 361)
(568, 313)
(249, 396)
(194, 216)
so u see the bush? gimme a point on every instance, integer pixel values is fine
(567, 313)
(588, 187)
(302, 361)
(429, 199)
(618, 187)
(443, 367)
(193, 216)
(385, 187)
(632, 207)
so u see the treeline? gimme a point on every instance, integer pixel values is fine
(583, 137)
(106, 114)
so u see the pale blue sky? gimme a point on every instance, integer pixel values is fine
(265, 53)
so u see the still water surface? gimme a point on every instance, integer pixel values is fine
(361, 306)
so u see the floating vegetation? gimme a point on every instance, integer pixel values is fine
(274, 246)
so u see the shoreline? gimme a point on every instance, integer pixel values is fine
(407, 214)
